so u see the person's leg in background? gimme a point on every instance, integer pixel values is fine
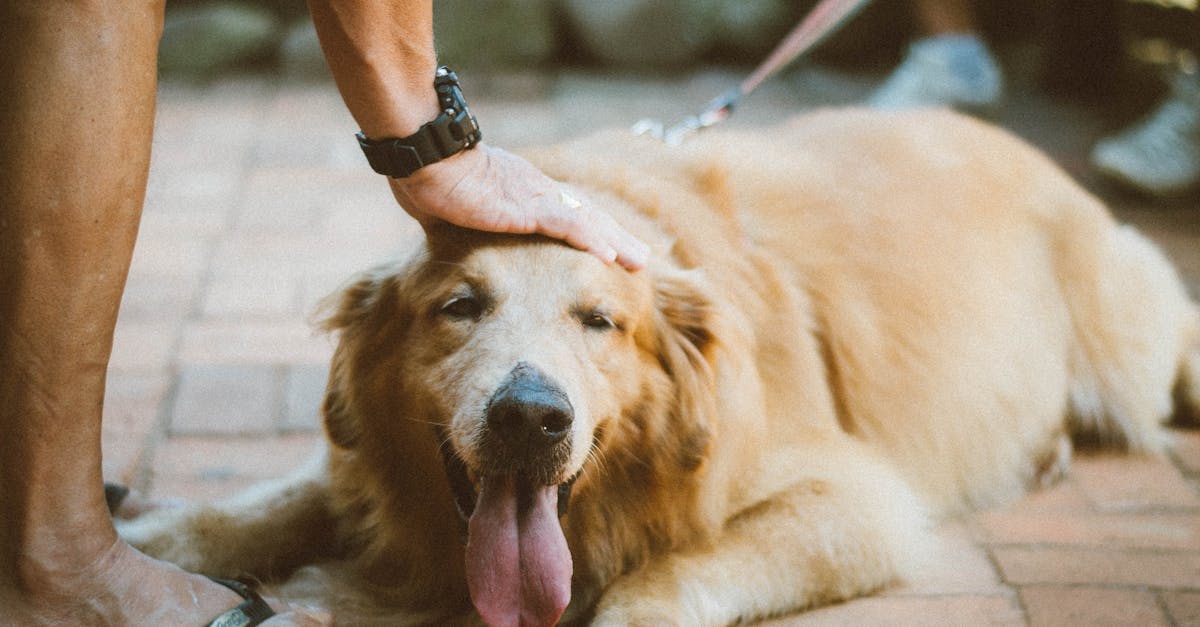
(77, 91)
(949, 66)
(1160, 154)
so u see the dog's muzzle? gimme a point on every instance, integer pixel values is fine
(525, 428)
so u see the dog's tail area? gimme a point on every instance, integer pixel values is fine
(1187, 387)
(1137, 338)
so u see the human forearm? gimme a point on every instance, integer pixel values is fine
(382, 58)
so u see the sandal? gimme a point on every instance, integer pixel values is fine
(253, 611)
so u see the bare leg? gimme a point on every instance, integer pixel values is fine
(943, 17)
(77, 88)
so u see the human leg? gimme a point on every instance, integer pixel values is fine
(1160, 155)
(77, 88)
(950, 65)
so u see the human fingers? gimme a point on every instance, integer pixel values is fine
(589, 228)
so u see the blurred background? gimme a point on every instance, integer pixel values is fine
(1110, 61)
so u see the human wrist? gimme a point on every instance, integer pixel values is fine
(453, 130)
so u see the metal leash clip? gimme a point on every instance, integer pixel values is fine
(718, 110)
(824, 19)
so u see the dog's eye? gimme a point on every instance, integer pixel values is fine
(466, 307)
(597, 320)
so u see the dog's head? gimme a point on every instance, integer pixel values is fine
(523, 362)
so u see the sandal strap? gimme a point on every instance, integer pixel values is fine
(114, 495)
(253, 611)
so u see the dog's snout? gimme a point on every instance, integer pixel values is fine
(529, 411)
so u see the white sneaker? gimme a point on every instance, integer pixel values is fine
(943, 71)
(1161, 154)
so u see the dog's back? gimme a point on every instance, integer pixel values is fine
(977, 308)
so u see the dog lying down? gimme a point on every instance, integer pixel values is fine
(850, 325)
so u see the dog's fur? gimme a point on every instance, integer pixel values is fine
(848, 324)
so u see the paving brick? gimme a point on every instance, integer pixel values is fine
(956, 566)
(143, 345)
(1091, 607)
(1063, 497)
(1099, 566)
(131, 412)
(225, 399)
(210, 467)
(948, 611)
(1161, 530)
(1129, 483)
(300, 254)
(1186, 449)
(170, 257)
(158, 298)
(284, 341)
(305, 389)
(1183, 607)
(241, 295)
(180, 186)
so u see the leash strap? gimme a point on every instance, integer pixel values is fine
(824, 20)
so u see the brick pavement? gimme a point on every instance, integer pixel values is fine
(259, 204)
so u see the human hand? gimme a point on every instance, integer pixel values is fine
(490, 189)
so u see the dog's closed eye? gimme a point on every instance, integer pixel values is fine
(598, 320)
(465, 307)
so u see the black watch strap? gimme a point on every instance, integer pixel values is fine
(450, 133)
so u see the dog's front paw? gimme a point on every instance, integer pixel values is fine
(623, 605)
(623, 616)
(165, 534)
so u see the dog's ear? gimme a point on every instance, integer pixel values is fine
(686, 343)
(341, 426)
(361, 313)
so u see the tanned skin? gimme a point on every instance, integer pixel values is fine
(77, 94)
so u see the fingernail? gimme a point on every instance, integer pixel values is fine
(608, 254)
(637, 256)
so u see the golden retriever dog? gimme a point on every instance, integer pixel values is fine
(850, 326)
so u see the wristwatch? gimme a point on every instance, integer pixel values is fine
(450, 133)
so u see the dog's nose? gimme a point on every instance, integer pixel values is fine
(529, 411)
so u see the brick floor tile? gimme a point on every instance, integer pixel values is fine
(1162, 530)
(225, 399)
(1063, 497)
(956, 566)
(1100, 566)
(285, 341)
(305, 389)
(240, 295)
(369, 212)
(143, 345)
(307, 147)
(209, 467)
(308, 106)
(948, 611)
(204, 221)
(131, 411)
(1128, 483)
(300, 254)
(1183, 607)
(156, 298)
(1049, 606)
(170, 257)
(1186, 449)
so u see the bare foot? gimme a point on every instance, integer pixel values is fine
(125, 587)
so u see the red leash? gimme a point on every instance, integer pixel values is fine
(824, 20)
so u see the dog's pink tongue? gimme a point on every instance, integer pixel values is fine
(518, 564)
